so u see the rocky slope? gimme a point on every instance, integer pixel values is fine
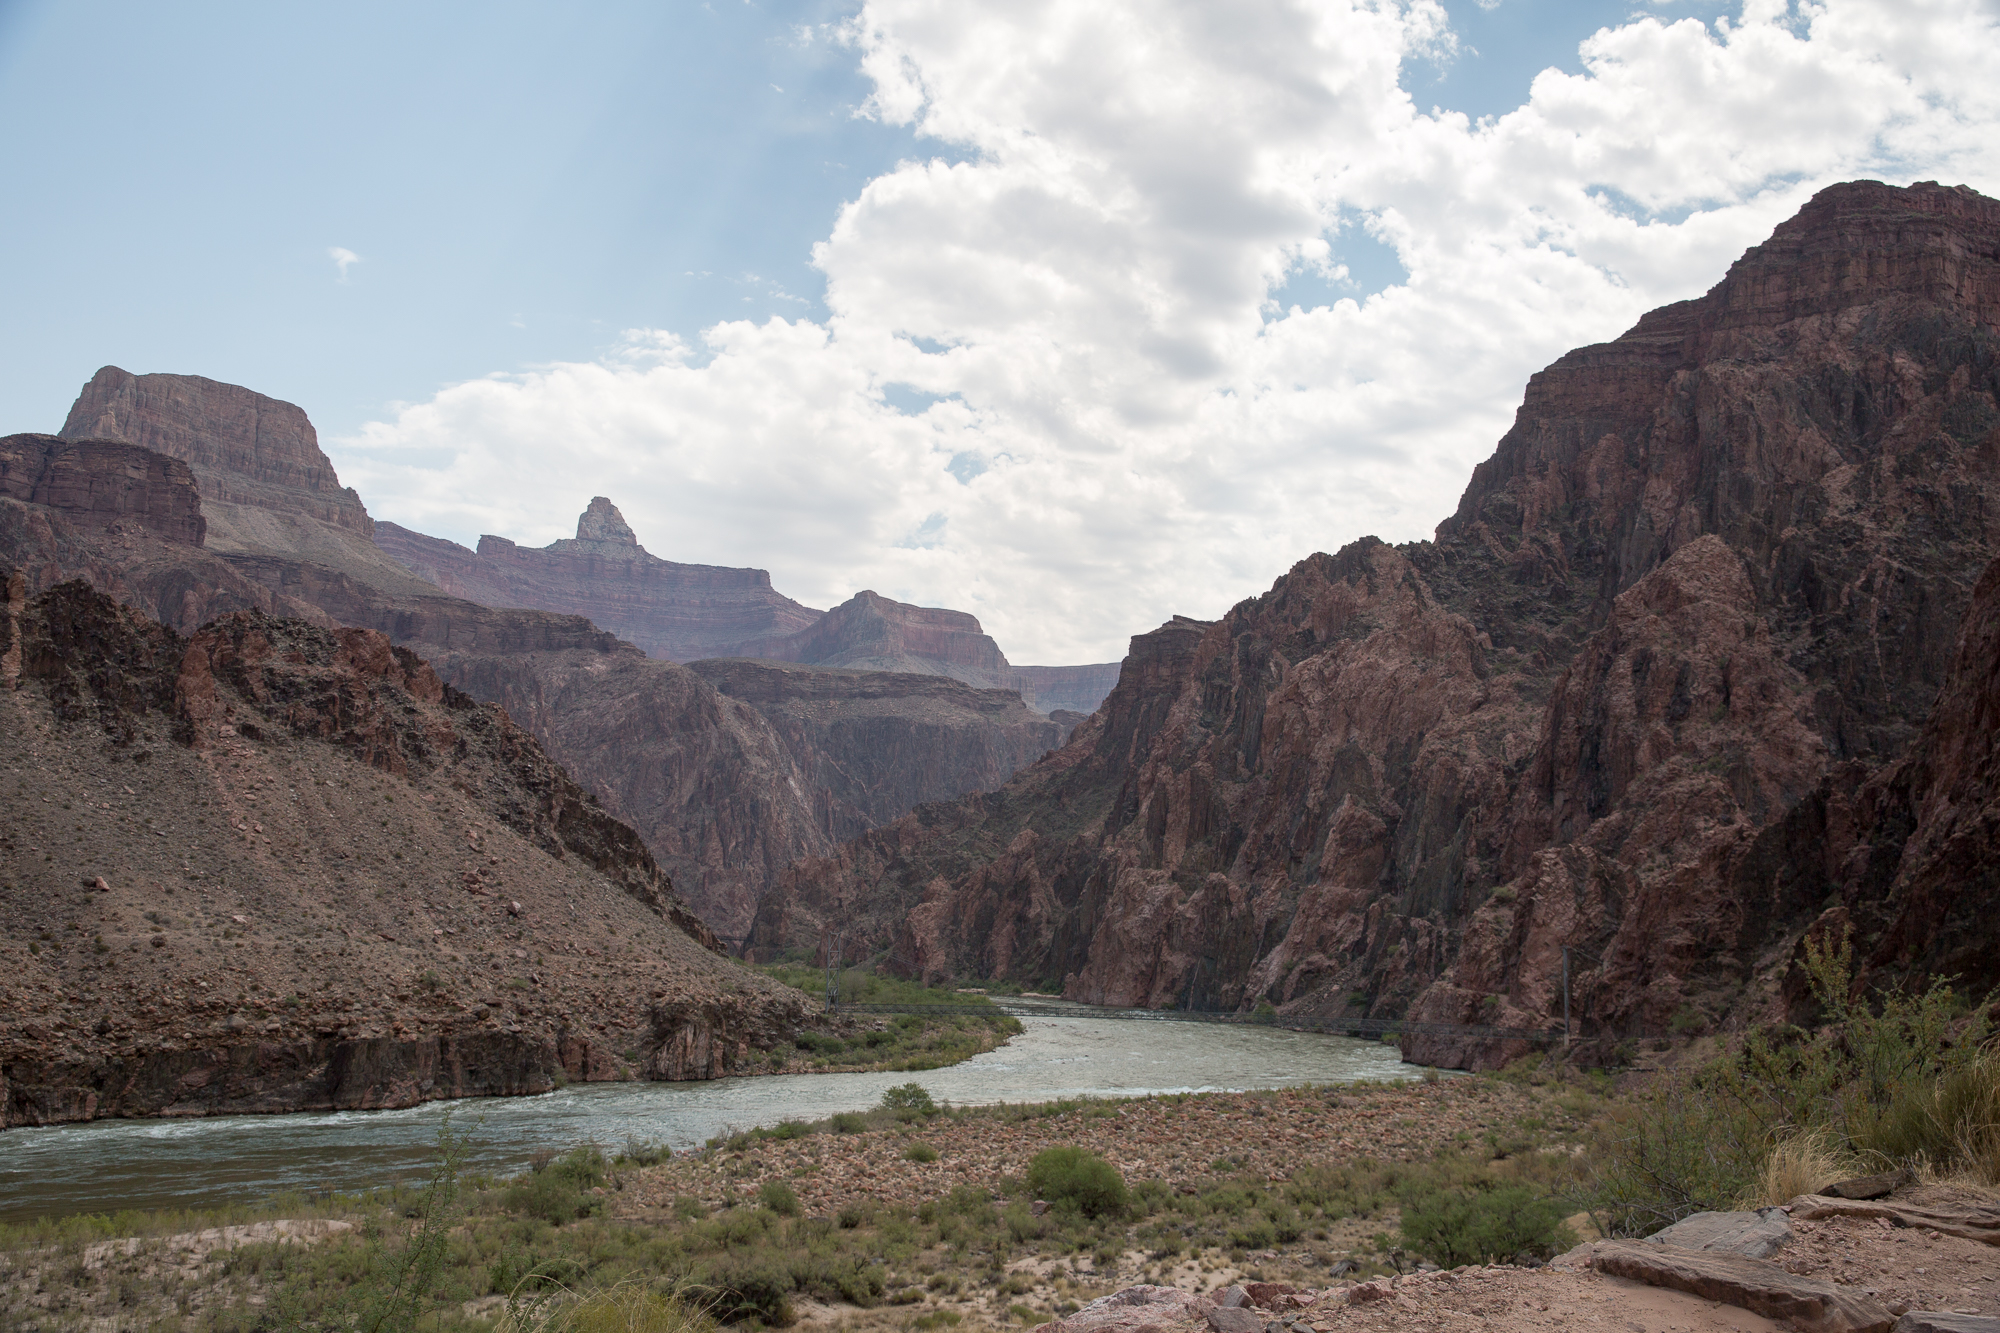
(872, 745)
(707, 781)
(678, 612)
(276, 866)
(1716, 564)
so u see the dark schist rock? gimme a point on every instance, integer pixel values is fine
(1698, 652)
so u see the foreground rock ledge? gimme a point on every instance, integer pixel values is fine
(1805, 1303)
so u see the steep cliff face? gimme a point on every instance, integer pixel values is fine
(1714, 564)
(674, 611)
(1070, 689)
(244, 448)
(873, 745)
(104, 483)
(276, 866)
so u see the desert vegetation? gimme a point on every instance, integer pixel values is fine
(919, 1215)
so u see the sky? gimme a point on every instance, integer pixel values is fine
(1072, 315)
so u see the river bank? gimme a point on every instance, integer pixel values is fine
(904, 1218)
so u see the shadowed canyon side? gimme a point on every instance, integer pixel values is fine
(706, 780)
(279, 867)
(872, 745)
(675, 611)
(1716, 565)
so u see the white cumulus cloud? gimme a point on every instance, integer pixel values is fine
(1053, 389)
(343, 259)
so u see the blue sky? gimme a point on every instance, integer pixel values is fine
(1074, 314)
(519, 190)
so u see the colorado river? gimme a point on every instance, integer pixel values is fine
(112, 1164)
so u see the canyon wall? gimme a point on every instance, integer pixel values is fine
(706, 780)
(1071, 689)
(872, 745)
(1717, 565)
(276, 866)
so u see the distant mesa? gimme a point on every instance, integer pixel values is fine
(686, 613)
(673, 611)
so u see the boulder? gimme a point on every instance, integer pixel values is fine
(1753, 1235)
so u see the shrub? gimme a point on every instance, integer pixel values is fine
(1070, 1175)
(735, 1288)
(558, 1191)
(908, 1101)
(1452, 1227)
(849, 1122)
(779, 1198)
(921, 1152)
(629, 1307)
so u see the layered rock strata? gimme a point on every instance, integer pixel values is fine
(1071, 689)
(1716, 564)
(870, 632)
(873, 745)
(276, 867)
(706, 781)
(673, 611)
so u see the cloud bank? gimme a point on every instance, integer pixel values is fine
(1061, 386)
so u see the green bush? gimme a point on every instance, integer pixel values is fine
(1070, 1175)
(849, 1122)
(909, 1101)
(921, 1152)
(733, 1288)
(778, 1197)
(1452, 1227)
(559, 1191)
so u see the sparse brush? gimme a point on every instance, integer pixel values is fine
(1802, 1164)
(632, 1306)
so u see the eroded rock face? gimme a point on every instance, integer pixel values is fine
(1715, 565)
(873, 745)
(673, 611)
(104, 482)
(706, 781)
(1071, 689)
(276, 866)
(244, 448)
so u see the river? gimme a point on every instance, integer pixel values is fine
(112, 1164)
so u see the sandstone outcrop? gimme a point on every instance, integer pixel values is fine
(245, 449)
(674, 611)
(1713, 577)
(276, 866)
(872, 745)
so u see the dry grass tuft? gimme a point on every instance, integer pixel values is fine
(1802, 1164)
(629, 1307)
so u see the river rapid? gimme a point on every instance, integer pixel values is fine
(108, 1165)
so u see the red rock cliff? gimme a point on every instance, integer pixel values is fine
(1714, 563)
(869, 632)
(244, 448)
